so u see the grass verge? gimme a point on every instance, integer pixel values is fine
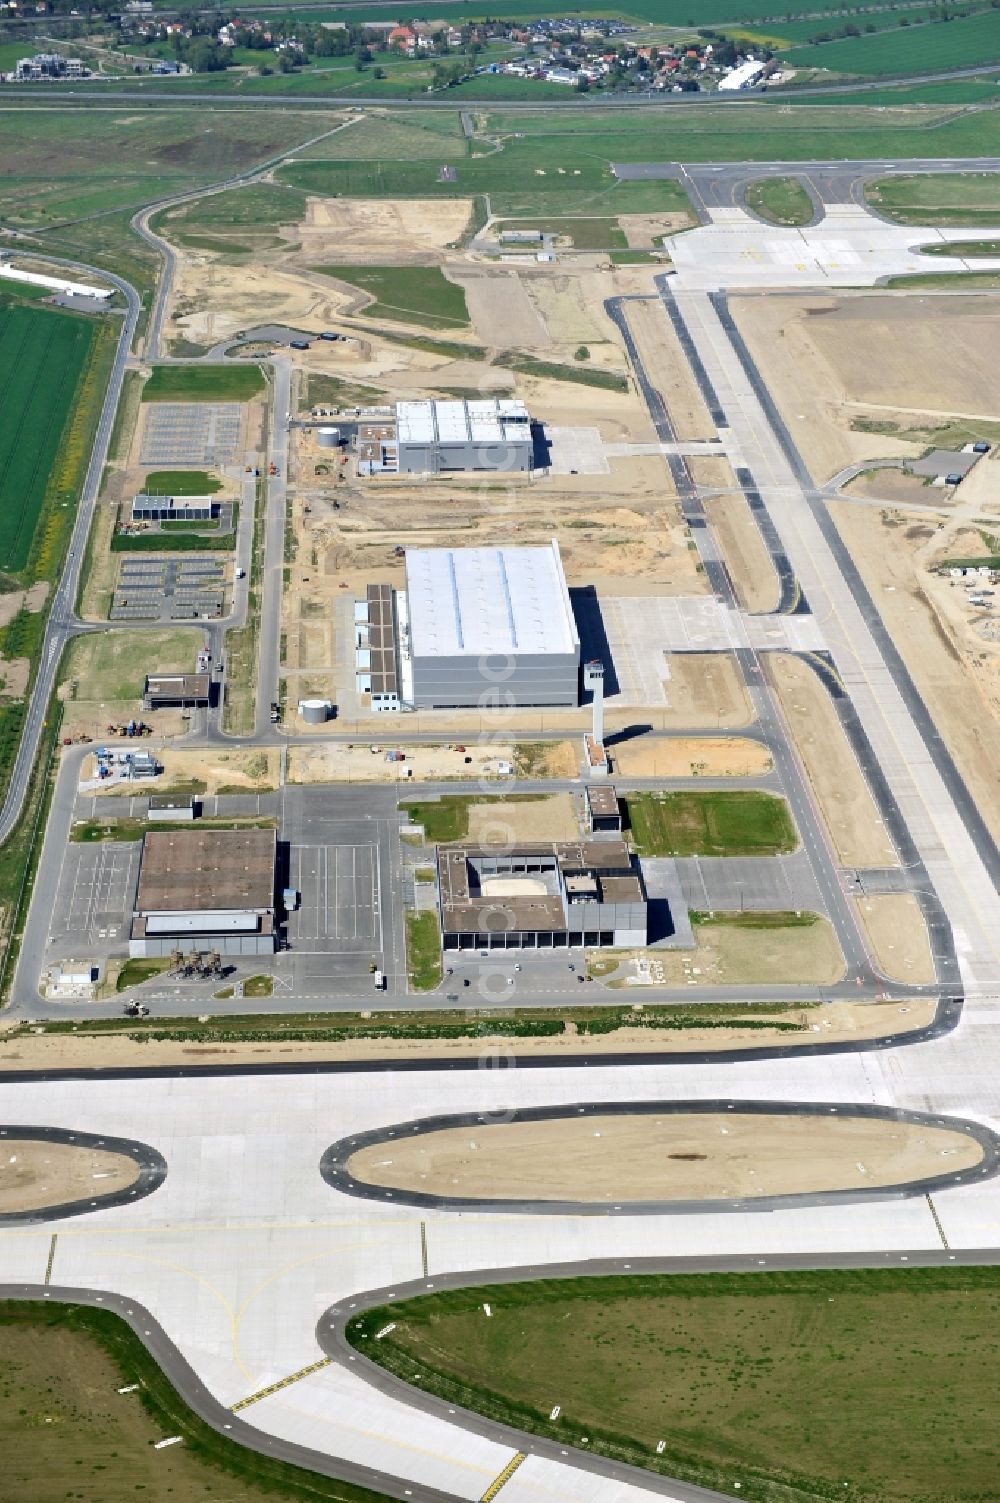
(775, 1381)
(181, 483)
(239, 704)
(95, 831)
(135, 972)
(550, 370)
(423, 951)
(64, 1363)
(447, 818)
(710, 824)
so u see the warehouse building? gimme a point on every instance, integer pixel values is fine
(435, 437)
(488, 626)
(205, 890)
(172, 509)
(176, 691)
(581, 895)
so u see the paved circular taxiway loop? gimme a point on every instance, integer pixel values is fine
(334, 1165)
(152, 1168)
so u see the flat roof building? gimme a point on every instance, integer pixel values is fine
(434, 437)
(583, 894)
(488, 626)
(163, 691)
(205, 889)
(172, 508)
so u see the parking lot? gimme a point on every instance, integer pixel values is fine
(170, 587)
(93, 907)
(191, 433)
(339, 908)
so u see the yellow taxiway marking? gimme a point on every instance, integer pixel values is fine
(504, 1477)
(265, 1393)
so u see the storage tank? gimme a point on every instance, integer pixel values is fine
(315, 711)
(328, 438)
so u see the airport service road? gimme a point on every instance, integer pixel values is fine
(244, 1247)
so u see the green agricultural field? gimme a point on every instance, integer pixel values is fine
(793, 1386)
(407, 294)
(204, 383)
(43, 354)
(780, 200)
(181, 483)
(62, 1365)
(946, 198)
(710, 824)
(961, 42)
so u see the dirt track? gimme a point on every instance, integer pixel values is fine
(682, 1156)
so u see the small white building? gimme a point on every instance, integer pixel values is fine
(746, 76)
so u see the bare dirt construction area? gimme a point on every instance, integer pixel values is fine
(830, 1022)
(879, 358)
(571, 301)
(382, 230)
(680, 1156)
(699, 756)
(646, 231)
(213, 300)
(502, 314)
(897, 935)
(852, 819)
(668, 370)
(706, 692)
(892, 484)
(736, 950)
(334, 762)
(961, 688)
(34, 1175)
(748, 561)
(552, 818)
(218, 771)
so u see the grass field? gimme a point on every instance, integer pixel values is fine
(62, 1365)
(42, 357)
(963, 41)
(780, 200)
(587, 231)
(203, 383)
(407, 294)
(798, 1387)
(423, 951)
(710, 824)
(181, 483)
(953, 199)
(103, 665)
(447, 818)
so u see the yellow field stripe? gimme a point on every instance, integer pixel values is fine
(265, 1393)
(504, 1477)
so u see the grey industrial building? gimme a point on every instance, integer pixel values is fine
(172, 509)
(205, 890)
(435, 437)
(487, 627)
(586, 894)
